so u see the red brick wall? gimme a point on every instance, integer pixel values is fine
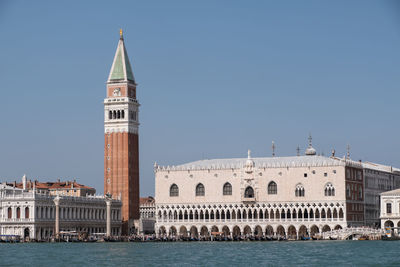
(121, 167)
(354, 195)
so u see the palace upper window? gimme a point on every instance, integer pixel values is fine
(388, 208)
(249, 192)
(227, 190)
(9, 213)
(299, 191)
(329, 190)
(272, 188)
(200, 190)
(174, 191)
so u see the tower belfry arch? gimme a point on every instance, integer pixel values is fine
(121, 137)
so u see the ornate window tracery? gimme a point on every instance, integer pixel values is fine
(200, 191)
(174, 191)
(272, 188)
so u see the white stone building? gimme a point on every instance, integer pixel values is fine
(29, 213)
(292, 196)
(147, 215)
(390, 209)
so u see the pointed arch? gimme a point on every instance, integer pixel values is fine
(305, 214)
(300, 214)
(329, 214)
(204, 231)
(183, 231)
(249, 192)
(173, 190)
(258, 231)
(190, 215)
(180, 215)
(326, 228)
(194, 232)
(288, 214)
(272, 188)
(317, 215)
(200, 190)
(341, 213)
(323, 214)
(269, 230)
(236, 231)
(227, 189)
(329, 190)
(299, 190)
(335, 213)
(226, 231)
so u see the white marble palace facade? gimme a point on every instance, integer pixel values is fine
(390, 209)
(292, 196)
(31, 214)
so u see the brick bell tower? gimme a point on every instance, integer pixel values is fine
(121, 138)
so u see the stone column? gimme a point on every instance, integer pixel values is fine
(108, 224)
(57, 223)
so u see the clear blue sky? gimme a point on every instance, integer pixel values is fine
(215, 78)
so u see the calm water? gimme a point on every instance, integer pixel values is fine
(316, 253)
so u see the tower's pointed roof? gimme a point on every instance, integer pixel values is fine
(121, 69)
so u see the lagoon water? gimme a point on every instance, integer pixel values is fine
(316, 253)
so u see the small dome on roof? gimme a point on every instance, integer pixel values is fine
(310, 151)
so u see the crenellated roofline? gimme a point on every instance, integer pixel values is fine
(261, 163)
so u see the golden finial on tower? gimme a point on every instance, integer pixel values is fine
(120, 34)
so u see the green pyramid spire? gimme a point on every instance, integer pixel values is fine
(121, 69)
